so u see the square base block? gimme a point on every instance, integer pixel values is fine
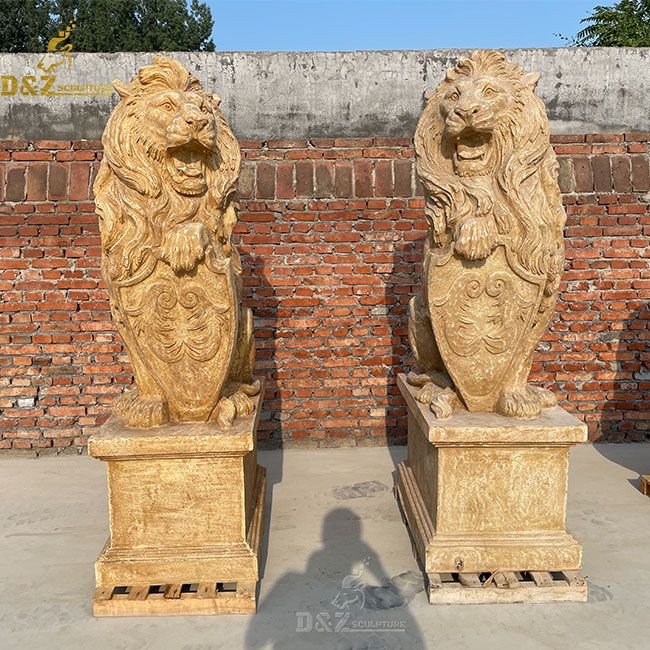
(485, 493)
(186, 504)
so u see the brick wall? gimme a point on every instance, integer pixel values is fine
(331, 234)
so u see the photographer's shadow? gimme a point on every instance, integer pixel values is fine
(344, 600)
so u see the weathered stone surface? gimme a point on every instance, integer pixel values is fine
(165, 199)
(297, 95)
(495, 250)
(485, 485)
(186, 496)
(485, 493)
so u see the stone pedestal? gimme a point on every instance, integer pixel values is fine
(485, 495)
(186, 505)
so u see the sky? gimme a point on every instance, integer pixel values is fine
(313, 25)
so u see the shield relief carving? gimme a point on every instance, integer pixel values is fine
(482, 313)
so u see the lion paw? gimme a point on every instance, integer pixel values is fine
(239, 404)
(476, 238)
(443, 402)
(184, 246)
(526, 402)
(140, 413)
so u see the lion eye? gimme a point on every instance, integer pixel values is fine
(488, 92)
(454, 96)
(167, 106)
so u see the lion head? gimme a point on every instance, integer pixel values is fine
(483, 150)
(169, 158)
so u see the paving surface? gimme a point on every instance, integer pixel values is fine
(338, 557)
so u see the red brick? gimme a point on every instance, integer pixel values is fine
(31, 155)
(304, 178)
(246, 183)
(284, 184)
(37, 182)
(384, 178)
(583, 175)
(638, 136)
(265, 180)
(402, 174)
(640, 173)
(602, 173)
(324, 178)
(15, 190)
(343, 179)
(621, 174)
(561, 138)
(58, 181)
(363, 178)
(79, 181)
(52, 144)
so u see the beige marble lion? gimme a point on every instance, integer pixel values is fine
(494, 253)
(165, 198)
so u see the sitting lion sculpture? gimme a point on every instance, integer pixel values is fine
(494, 252)
(165, 198)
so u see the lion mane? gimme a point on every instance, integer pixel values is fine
(135, 201)
(521, 193)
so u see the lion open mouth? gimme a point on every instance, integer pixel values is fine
(187, 169)
(472, 152)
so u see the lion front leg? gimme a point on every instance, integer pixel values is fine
(475, 237)
(184, 246)
(236, 400)
(142, 406)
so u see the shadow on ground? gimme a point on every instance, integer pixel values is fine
(344, 600)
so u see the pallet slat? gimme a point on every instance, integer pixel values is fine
(175, 601)
(103, 593)
(139, 592)
(469, 580)
(506, 587)
(173, 591)
(206, 590)
(541, 578)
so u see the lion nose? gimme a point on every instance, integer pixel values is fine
(195, 118)
(468, 111)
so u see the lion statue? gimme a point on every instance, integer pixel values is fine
(165, 195)
(494, 252)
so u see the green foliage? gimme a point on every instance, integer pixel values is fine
(625, 24)
(25, 25)
(108, 25)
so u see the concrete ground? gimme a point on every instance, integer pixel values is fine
(332, 515)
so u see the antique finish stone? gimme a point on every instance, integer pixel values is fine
(494, 253)
(186, 495)
(485, 485)
(165, 196)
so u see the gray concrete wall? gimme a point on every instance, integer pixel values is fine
(322, 94)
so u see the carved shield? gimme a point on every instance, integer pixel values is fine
(482, 313)
(182, 331)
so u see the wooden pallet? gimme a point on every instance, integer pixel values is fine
(644, 484)
(176, 599)
(506, 587)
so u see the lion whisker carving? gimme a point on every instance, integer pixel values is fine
(165, 195)
(495, 251)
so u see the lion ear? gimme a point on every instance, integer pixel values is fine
(530, 80)
(428, 94)
(121, 88)
(217, 100)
